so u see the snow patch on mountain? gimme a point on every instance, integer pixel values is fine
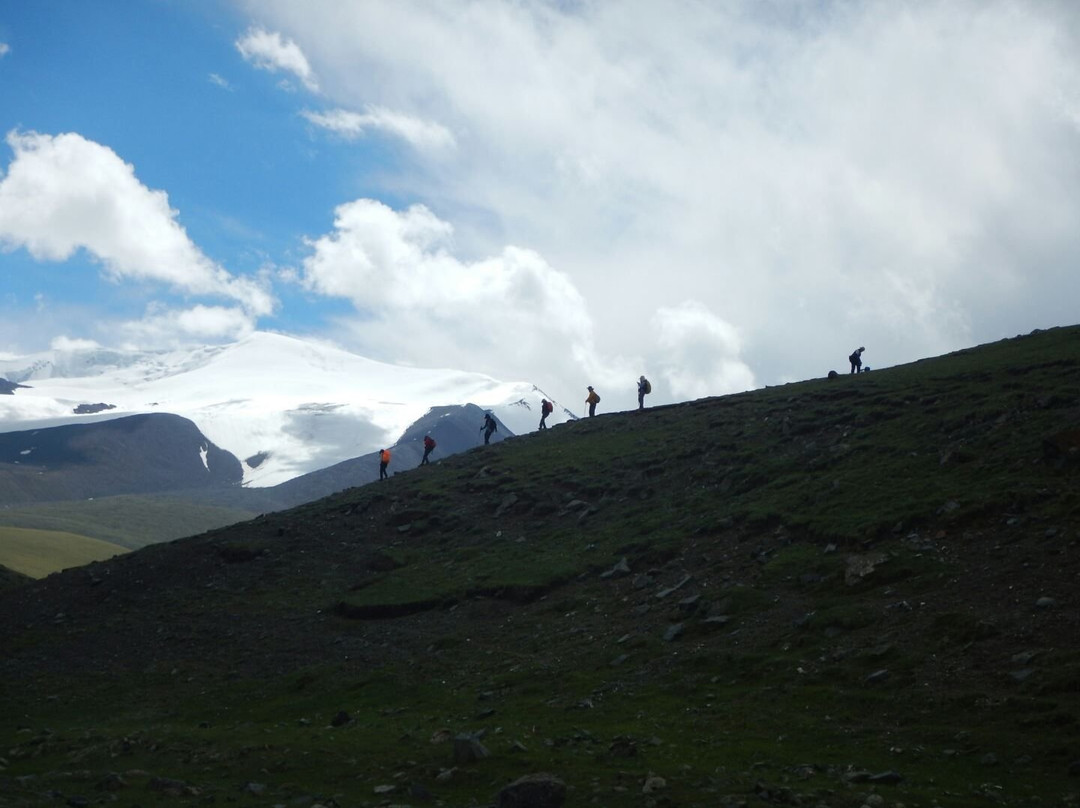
(297, 405)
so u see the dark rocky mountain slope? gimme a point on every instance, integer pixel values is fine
(856, 592)
(136, 454)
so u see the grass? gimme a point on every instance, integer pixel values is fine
(37, 553)
(483, 596)
(130, 521)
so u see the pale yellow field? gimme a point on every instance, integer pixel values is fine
(38, 553)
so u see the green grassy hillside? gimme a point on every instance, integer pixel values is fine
(834, 593)
(37, 553)
(130, 521)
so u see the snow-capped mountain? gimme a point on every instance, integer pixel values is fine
(283, 405)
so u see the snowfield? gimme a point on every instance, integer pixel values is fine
(302, 405)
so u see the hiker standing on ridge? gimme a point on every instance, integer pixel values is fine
(429, 444)
(384, 461)
(592, 400)
(545, 410)
(856, 360)
(488, 427)
(644, 387)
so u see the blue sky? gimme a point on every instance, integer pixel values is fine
(718, 195)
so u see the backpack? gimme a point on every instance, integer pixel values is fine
(545, 407)
(429, 443)
(647, 387)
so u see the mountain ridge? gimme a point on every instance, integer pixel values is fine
(840, 592)
(295, 406)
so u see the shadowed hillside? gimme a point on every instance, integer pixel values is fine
(834, 593)
(136, 454)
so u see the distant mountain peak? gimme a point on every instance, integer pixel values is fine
(299, 404)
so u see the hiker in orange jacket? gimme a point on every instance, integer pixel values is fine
(592, 400)
(384, 461)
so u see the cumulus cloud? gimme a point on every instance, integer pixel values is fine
(418, 133)
(162, 327)
(507, 314)
(271, 51)
(698, 352)
(64, 193)
(828, 175)
(4, 49)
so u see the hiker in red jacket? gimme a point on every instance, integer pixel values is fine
(429, 444)
(384, 461)
(545, 410)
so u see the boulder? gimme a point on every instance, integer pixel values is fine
(533, 791)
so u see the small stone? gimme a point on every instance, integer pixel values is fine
(341, 719)
(663, 593)
(889, 778)
(539, 790)
(112, 782)
(417, 791)
(674, 632)
(717, 620)
(877, 677)
(468, 749)
(989, 759)
(689, 604)
(1045, 603)
(653, 784)
(619, 570)
(387, 789)
(1022, 675)
(254, 789)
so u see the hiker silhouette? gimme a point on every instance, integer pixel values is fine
(488, 427)
(644, 387)
(856, 360)
(429, 444)
(592, 400)
(545, 410)
(384, 461)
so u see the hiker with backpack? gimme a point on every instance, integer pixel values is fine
(856, 360)
(488, 427)
(644, 387)
(384, 461)
(592, 400)
(545, 410)
(429, 444)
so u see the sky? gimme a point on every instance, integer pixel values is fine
(718, 195)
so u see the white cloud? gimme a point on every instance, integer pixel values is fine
(699, 353)
(826, 175)
(271, 51)
(5, 49)
(65, 343)
(162, 327)
(220, 81)
(64, 192)
(507, 314)
(418, 133)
